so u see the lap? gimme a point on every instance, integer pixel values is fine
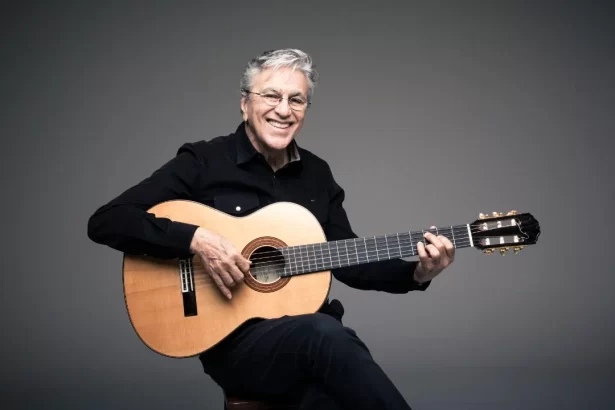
(269, 357)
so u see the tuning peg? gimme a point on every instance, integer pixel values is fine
(517, 249)
(504, 250)
(482, 216)
(513, 212)
(488, 251)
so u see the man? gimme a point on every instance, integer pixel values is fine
(260, 163)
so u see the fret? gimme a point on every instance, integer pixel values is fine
(284, 262)
(401, 254)
(376, 246)
(326, 259)
(315, 258)
(362, 256)
(347, 257)
(294, 260)
(453, 234)
(303, 259)
(356, 252)
(386, 243)
(325, 263)
(338, 254)
(411, 244)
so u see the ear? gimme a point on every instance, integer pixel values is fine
(244, 107)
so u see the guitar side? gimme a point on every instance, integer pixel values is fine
(152, 287)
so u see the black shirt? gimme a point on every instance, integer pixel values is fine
(228, 174)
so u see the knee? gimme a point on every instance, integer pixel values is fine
(322, 326)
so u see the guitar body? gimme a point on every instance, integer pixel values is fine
(183, 324)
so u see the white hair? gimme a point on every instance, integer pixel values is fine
(292, 58)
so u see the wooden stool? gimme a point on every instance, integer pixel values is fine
(235, 402)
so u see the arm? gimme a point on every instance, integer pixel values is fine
(125, 225)
(393, 276)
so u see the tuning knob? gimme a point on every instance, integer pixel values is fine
(503, 251)
(482, 216)
(513, 212)
(488, 251)
(517, 249)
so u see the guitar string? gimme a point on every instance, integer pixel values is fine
(353, 242)
(441, 231)
(310, 251)
(405, 238)
(310, 260)
(378, 247)
(262, 269)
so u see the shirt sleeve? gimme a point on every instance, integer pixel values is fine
(126, 225)
(392, 276)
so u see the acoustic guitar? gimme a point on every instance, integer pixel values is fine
(178, 311)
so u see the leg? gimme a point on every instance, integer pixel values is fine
(275, 356)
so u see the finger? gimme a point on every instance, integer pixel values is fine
(242, 263)
(434, 253)
(435, 241)
(237, 274)
(430, 235)
(225, 291)
(449, 248)
(223, 271)
(423, 256)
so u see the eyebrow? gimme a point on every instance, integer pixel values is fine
(291, 94)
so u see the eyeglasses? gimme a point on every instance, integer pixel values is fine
(297, 103)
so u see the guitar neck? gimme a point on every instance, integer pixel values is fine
(325, 256)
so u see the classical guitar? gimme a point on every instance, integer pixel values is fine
(177, 310)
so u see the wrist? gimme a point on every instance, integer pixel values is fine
(418, 275)
(194, 243)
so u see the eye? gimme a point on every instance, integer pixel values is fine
(297, 100)
(272, 96)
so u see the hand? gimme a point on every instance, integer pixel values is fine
(434, 257)
(221, 260)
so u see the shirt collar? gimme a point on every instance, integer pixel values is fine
(246, 151)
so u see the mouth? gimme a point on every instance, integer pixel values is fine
(279, 125)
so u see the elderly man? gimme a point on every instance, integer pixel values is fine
(259, 164)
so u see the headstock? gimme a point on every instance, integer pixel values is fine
(504, 232)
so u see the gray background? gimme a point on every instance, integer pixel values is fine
(428, 112)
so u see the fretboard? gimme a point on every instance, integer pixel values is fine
(325, 256)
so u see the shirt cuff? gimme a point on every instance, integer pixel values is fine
(180, 236)
(412, 284)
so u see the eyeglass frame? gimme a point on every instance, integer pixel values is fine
(307, 102)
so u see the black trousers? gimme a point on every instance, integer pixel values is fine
(313, 354)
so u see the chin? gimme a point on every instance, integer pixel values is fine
(277, 142)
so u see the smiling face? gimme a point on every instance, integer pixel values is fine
(272, 128)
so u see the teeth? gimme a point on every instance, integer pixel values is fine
(278, 124)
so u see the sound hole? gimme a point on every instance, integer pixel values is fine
(267, 264)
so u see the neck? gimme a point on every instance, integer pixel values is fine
(324, 256)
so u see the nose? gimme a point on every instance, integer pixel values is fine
(283, 108)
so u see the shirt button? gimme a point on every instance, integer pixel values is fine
(238, 208)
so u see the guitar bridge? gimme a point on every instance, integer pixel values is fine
(186, 277)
